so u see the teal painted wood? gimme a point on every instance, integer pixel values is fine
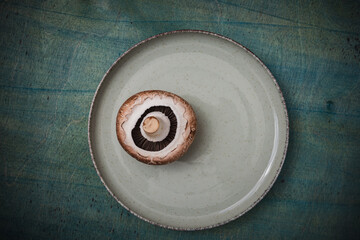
(54, 54)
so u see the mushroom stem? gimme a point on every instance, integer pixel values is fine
(151, 125)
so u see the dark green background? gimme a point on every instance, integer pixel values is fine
(53, 55)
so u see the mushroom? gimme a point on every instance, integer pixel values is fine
(155, 127)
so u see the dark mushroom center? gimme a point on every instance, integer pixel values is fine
(143, 143)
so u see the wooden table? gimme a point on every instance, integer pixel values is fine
(54, 54)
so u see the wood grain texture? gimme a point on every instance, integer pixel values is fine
(54, 54)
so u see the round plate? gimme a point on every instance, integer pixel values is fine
(241, 139)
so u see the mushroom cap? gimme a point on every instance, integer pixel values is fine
(135, 108)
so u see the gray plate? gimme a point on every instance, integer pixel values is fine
(241, 140)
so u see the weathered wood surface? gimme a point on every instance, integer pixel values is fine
(54, 54)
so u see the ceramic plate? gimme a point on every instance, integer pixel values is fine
(241, 138)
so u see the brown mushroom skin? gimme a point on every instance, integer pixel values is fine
(188, 134)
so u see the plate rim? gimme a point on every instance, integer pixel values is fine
(218, 36)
